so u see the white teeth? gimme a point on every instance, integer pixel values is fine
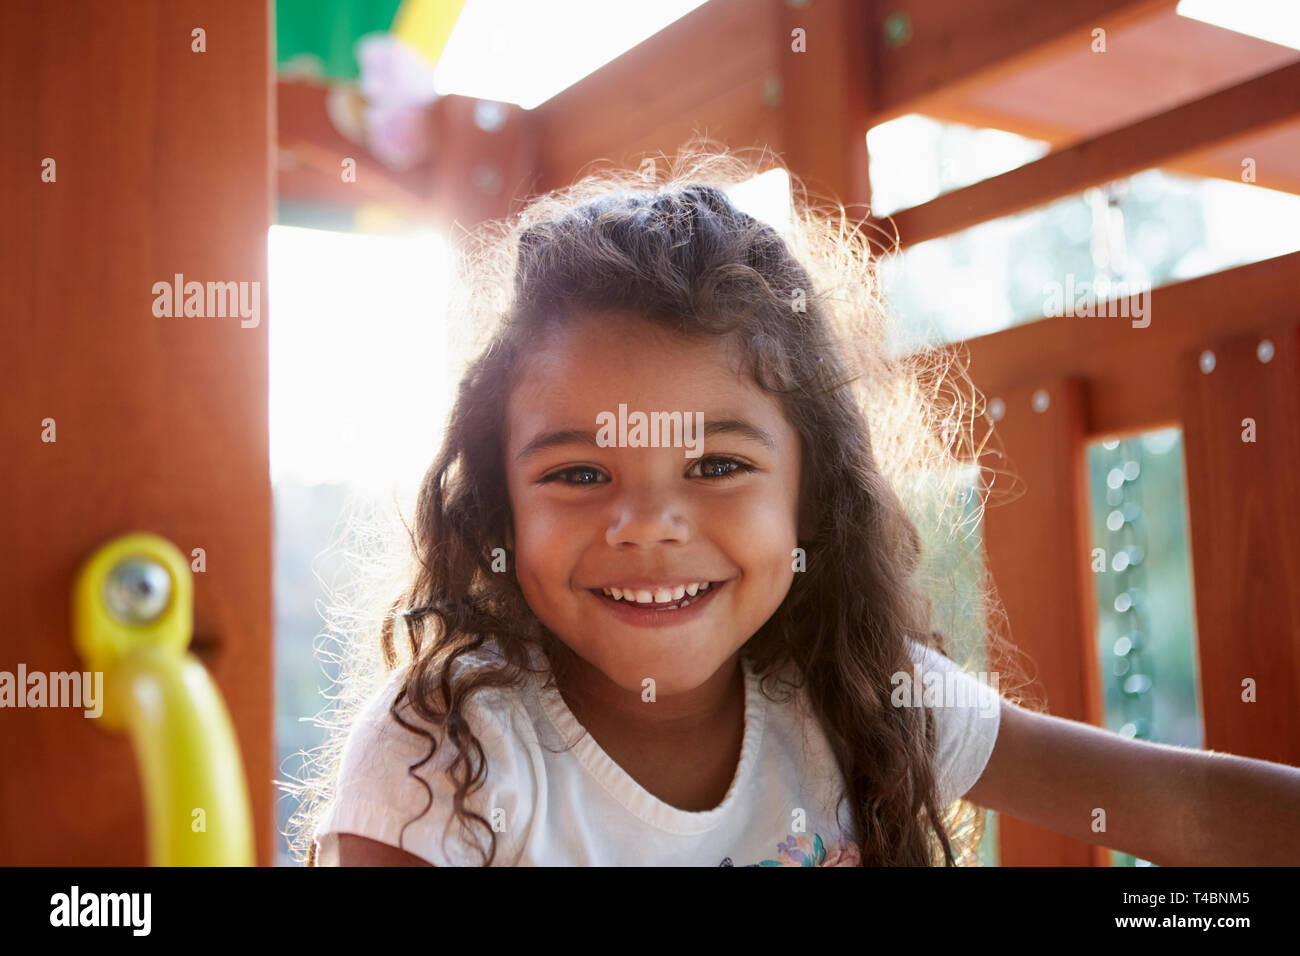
(658, 595)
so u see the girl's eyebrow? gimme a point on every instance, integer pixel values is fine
(578, 436)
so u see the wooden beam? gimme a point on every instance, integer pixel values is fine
(1254, 106)
(474, 172)
(826, 98)
(1244, 521)
(1276, 156)
(1212, 163)
(742, 77)
(940, 47)
(714, 71)
(310, 152)
(1132, 383)
(479, 171)
(1036, 548)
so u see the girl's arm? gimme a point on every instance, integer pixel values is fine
(1173, 806)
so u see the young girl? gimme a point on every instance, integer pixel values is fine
(669, 605)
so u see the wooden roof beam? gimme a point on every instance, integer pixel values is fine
(932, 49)
(1256, 105)
(732, 70)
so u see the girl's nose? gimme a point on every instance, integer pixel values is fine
(647, 519)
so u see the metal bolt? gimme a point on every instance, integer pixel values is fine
(1041, 400)
(137, 591)
(487, 179)
(898, 29)
(773, 92)
(489, 115)
(997, 409)
(1264, 351)
(1207, 362)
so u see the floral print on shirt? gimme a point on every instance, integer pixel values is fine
(800, 851)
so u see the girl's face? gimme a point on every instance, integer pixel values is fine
(652, 522)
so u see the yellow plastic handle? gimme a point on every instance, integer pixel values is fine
(196, 797)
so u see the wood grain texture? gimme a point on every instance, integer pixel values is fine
(163, 167)
(954, 46)
(1134, 379)
(1252, 107)
(706, 73)
(1036, 547)
(1243, 501)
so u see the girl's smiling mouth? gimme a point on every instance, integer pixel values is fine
(658, 605)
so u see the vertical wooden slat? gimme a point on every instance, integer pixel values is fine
(163, 167)
(1036, 547)
(1243, 500)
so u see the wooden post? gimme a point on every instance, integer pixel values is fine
(136, 150)
(1241, 427)
(1037, 547)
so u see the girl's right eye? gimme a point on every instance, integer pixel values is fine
(586, 476)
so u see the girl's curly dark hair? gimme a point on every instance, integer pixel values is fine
(804, 308)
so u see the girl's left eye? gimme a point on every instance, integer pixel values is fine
(717, 467)
(590, 476)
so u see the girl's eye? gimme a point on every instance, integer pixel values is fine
(717, 467)
(585, 475)
(713, 468)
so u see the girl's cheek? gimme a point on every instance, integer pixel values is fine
(764, 523)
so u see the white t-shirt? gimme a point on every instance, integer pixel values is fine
(577, 807)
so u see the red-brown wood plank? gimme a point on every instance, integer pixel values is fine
(1254, 106)
(1036, 548)
(952, 44)
(1243, 501)
(826, 97)
(163, 167)
(707, 72)
(1134, 382)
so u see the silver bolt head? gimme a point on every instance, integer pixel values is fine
(137, 591)
(489, 115)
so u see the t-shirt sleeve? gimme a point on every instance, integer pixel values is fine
(376, 796)
(967, 714)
